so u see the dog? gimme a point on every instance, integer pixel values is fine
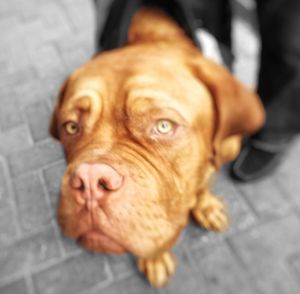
(144, 127)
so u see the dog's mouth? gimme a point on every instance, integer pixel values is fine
(130, 219)
(97, 241)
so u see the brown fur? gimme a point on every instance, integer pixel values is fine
(117, 97)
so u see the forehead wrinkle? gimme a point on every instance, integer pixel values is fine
(188, 104)
(95, 107)
(95, 98)
(138, 81)
(146, 99)
(154, 94)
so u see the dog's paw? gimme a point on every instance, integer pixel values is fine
(210, 213)
(158, 270)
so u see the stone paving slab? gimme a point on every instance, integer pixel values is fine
(41, 43)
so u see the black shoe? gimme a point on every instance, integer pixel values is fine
(259, 158)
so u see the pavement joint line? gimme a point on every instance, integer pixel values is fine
(11, 192)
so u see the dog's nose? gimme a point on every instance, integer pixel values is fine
(94, 182)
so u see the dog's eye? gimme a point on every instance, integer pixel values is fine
(71, 127)
(164, 126)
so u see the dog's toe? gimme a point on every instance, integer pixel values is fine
(158, 270)
(211, 214)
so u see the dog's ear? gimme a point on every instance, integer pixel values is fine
(238, 109)
(53, 127)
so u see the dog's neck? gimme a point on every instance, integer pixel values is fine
(151, 24)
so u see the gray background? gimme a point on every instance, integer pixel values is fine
(41, 42)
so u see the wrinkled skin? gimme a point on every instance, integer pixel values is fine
(117, 99)
(161, 180)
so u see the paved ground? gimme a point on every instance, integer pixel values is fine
(41, 43)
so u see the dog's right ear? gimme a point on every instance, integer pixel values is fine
(53, 127)
(239, 110)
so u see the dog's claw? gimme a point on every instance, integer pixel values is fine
(211, 214)
(158, 270)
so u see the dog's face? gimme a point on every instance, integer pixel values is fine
(141, 127)
(136, 126)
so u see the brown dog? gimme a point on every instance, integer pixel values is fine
(144, 127)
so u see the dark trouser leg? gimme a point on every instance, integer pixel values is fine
(278, 87)
(279, 77)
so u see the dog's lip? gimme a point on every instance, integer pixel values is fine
(94, 233)
(108, 243)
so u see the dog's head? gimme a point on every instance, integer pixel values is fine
(141, 126)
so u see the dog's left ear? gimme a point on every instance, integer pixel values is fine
(239, 111)
(53, 128)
